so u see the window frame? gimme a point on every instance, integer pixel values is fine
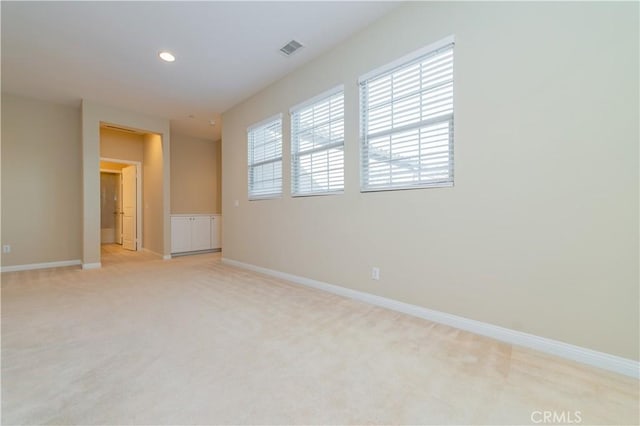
(295, 153)
(251, 166)
(397, 64)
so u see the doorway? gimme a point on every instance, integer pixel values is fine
(121, 203)
(110, 207)
(155, 133)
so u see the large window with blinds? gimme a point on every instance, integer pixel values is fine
(317, 144)
(265, 158)
(407, 121)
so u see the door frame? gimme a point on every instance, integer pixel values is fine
(138, 165)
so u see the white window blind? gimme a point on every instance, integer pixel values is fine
(407, 123)
(317, 140)
(265, 158)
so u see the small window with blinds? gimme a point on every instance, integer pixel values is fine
(265, 159)
(407, 121)
(317, 145)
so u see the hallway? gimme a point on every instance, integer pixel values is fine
(114, 255)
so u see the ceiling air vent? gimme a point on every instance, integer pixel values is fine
(291, 47)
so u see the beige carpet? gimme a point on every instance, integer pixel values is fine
(192, 341)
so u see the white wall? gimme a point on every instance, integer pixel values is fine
(540, 232)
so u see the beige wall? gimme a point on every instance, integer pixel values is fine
(107, 165)
(41, 181)
(217, 145)
(195, 175)
(119, 145)
(540, 232)
(152, 194)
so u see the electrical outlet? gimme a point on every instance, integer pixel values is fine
(6, 248)
(375, 273)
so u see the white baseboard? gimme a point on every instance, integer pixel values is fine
(162, 256)
(191, 253)
(44, 265)
(96, 265)
(591, 357)
(146, 250)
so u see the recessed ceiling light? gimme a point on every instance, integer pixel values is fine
(167, 56)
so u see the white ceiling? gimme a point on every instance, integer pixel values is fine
(108, 51)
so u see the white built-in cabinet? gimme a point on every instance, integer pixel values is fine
(195, 232)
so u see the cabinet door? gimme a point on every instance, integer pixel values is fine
(180, 234)
(216, 229)
(200, 233)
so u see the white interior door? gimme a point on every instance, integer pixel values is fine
(118, 210)
(129, 198)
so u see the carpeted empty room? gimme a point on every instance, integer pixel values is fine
(320, 212)
(193, 341)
